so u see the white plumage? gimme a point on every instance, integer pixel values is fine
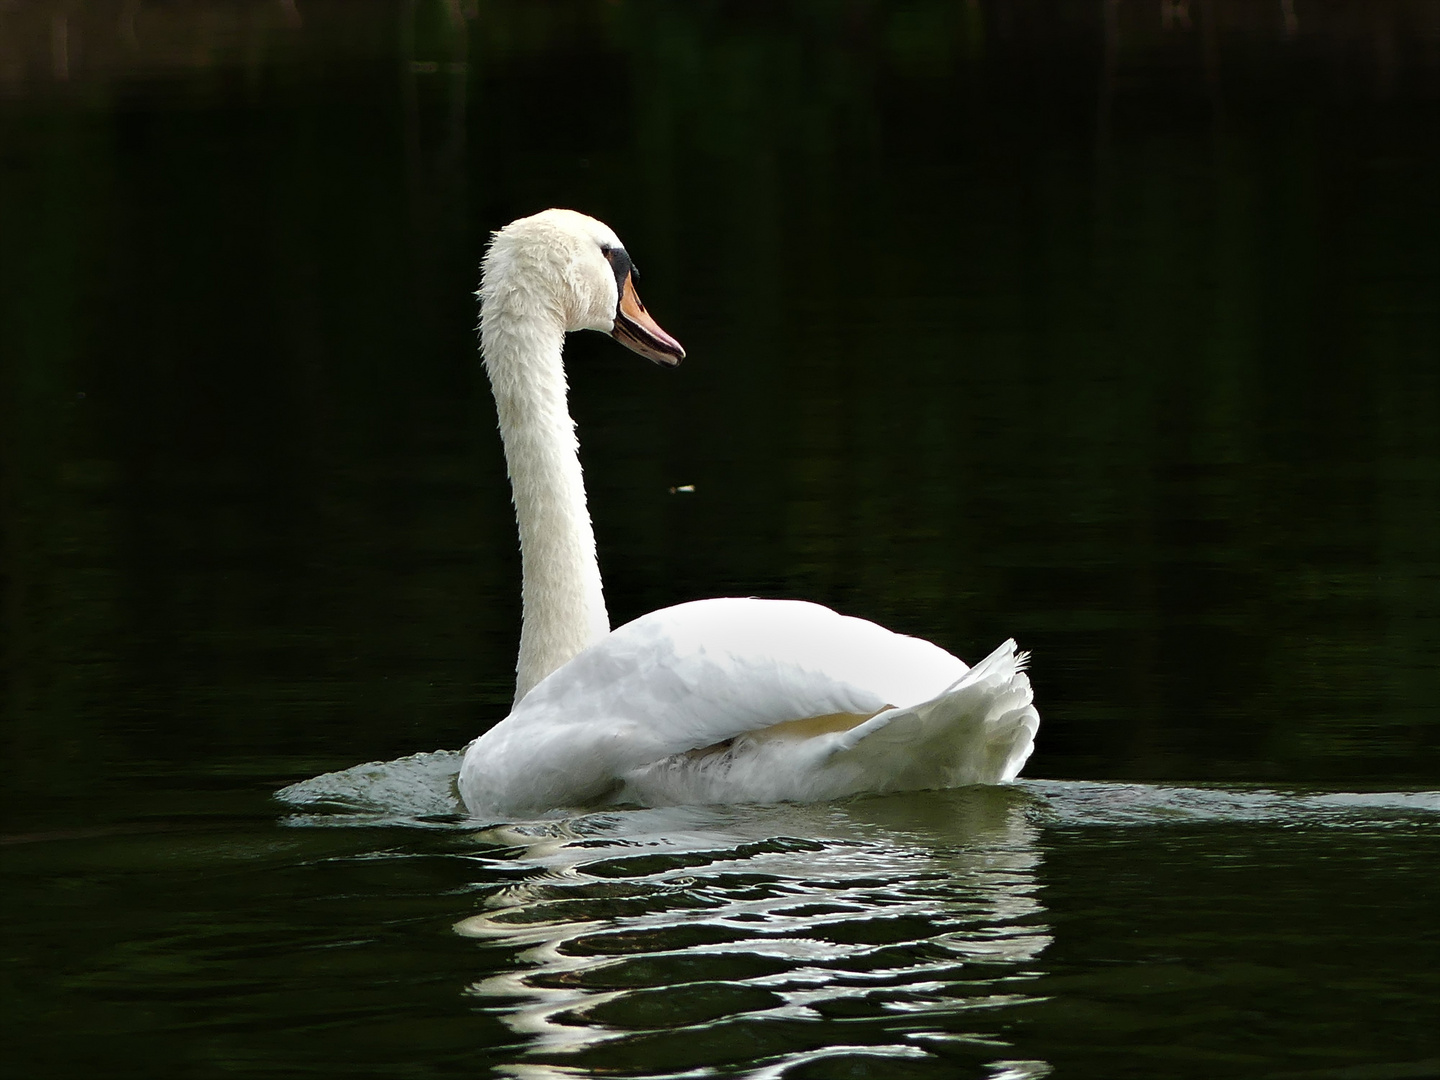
(726, 700)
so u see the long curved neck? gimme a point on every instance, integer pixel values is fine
(563, 600)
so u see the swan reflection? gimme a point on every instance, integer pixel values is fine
(666, 940)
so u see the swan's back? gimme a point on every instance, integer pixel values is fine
(741, 700)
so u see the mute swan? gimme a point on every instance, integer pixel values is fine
(726, 700)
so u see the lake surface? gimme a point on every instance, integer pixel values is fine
(1109, 326)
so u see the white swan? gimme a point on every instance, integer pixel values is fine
(727, 700)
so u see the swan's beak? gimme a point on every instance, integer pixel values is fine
(638, 332)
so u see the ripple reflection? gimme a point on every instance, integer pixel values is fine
(657, 941)
(877, 937)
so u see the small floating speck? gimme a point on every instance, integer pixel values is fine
(683, 489)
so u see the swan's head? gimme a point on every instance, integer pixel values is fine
(572, 269)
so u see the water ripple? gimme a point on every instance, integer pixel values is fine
(692, 937)
(873, 937)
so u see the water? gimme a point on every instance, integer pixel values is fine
(1065, 322)
(1079, 927)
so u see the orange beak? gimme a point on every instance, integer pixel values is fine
(638, 332)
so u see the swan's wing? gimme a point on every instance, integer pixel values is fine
(695, 676)
(703, 672)
(979, 730)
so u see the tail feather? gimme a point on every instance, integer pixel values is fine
(980, 730)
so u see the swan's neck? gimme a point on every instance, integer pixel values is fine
(564, 603)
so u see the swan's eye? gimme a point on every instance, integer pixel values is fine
(620, 259)
(620, 263)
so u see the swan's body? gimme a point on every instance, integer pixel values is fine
(727, 700)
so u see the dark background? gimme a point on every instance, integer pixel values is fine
(1109, 326)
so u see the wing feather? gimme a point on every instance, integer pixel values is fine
(692, 676)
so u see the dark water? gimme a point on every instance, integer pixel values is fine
(1110, 326)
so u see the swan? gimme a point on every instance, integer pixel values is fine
(713, 701)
